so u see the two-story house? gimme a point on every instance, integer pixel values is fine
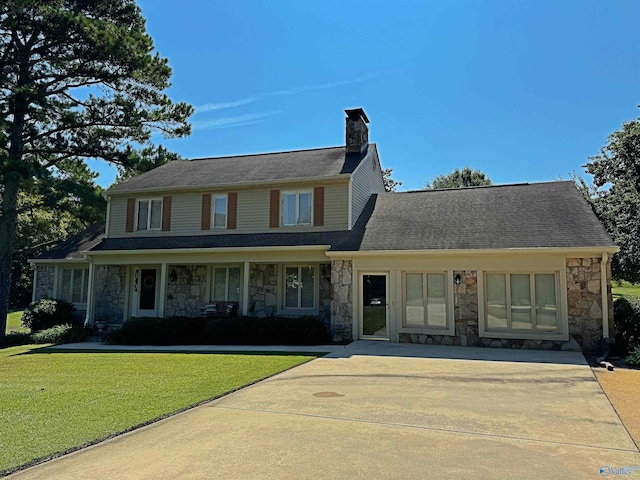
(312, 232)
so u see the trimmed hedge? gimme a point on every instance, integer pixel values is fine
(222, 331)
(47, 313)
(633, 360)
(626, 316)
(59, 334)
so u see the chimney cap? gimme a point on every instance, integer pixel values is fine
(356, 113)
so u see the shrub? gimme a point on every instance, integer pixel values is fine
(224, 331)
(626, 316)
(266, 331)
(59, 334)
(633, 360)
(13, 339)
(47, 313)
(158, 331)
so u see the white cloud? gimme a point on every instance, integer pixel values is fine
(210, 107)
(236, 121)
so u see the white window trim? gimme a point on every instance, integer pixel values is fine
(449, 329)
(226, 283)
(149, 201)
(316, 289)
(83, 293)
(297, 209)
(213, 211)
(562, 333)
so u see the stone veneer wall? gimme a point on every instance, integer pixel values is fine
(187, 295)
(584, 300)
(110, 294)
(342, 300)
(324, 300)
(263, 289)
(45, 277)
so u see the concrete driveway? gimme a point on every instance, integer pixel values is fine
(379, 410)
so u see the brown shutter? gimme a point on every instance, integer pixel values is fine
(274, 212)
(318, 206)
(206, 211)
(166, 214)
(232, 209)
(131, 213)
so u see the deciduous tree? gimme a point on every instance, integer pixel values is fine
(459, 178)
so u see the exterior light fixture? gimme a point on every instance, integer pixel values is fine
(457, 279)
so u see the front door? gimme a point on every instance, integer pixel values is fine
(373, 308)
(145, 292)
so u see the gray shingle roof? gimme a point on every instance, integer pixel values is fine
(553, 214)
(245, 240)
(265, 167)
(75, 247)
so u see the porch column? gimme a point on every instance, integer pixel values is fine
(245, 290)
(35, 281)
(605, 296)
(163, 290)
(88, 319)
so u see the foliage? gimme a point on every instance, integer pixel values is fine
(389, 183)
(459, 178)
(626, 316)
(54, 401)
(78, 80)
(159, 331)
(633, 360)
(222, 331)
(47, 313)
(13, 339)
(616, 175)
(59, 334)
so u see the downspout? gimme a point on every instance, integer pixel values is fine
(606, 342)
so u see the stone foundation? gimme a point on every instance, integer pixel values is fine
(45, 277)
(110, 293)
(263, 289)
(186, 296)
(342, 300)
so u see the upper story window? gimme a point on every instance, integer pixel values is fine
(74, 284)
(296, 207)
(149, 214)
(220, 207)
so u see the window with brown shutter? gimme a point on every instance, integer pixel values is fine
(318, 206)
(131, 213)
(232, 209)
(206, 212)
(166, 213)
(274, 211)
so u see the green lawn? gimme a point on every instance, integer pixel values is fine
(14, 322)
(52, 402)
(625, 290)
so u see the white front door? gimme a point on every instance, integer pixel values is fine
(145, 291)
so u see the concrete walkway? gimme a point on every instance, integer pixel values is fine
(378, 410)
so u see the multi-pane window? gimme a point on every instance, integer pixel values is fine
(425, 300)
(296, 208)
(149, 214)
(516, 301)
(74, 283)
(220, 211)
(299, 286)
(226, 284)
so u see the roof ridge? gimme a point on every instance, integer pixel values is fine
(474, 187)
(264, 153)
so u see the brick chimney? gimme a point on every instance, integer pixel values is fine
(357, 131)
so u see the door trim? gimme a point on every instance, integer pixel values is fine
(135, 292)
(361, 275)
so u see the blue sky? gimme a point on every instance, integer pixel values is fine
(524, 90)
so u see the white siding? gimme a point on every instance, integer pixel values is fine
(366, 179)
(252, 214)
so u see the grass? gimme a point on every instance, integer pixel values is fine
(54, 402)
(14, 322)
(626, 289)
